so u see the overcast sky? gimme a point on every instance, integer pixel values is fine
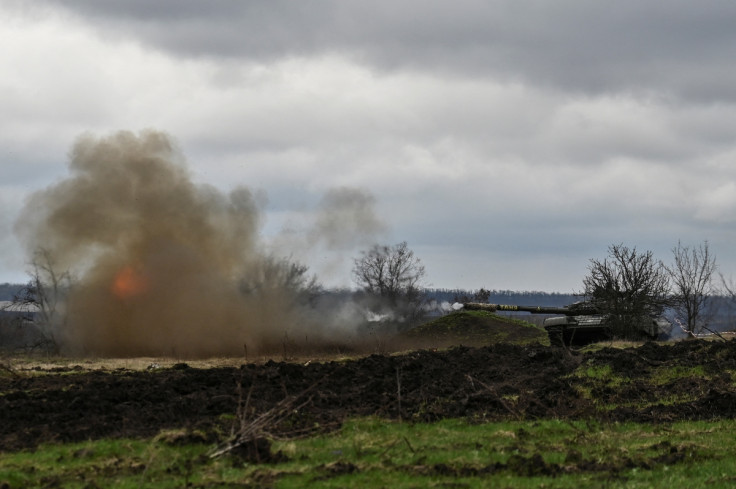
(508, 142)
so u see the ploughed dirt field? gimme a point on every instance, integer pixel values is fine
(653, 382)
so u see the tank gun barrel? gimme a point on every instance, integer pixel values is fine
(507, 307)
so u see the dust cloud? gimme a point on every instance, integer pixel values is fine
(164, 266)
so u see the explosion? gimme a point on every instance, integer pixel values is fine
(162, 266)
(129, 283)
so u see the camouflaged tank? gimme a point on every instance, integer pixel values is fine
(583, 323)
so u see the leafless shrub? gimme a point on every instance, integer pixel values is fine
(391, 278)
(289, 278)
(43, 299)
(251, 438)
(692, 283)
(628, 285)
(729, 287)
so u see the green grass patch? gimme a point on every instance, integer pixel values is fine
(106, 463)
(593, 379)
(602, 374)
(378, 453)
(665, 385)
(666, 375)
(732, 375)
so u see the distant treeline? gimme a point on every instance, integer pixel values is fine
(9, 291)
(721, 311)
(517, 297)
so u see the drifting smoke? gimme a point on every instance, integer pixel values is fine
(345, 219)
(162, 266)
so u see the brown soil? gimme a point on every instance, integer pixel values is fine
(496, 382)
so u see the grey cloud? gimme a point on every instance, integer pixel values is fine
(216, 28)
(482, 128)
(655, 46)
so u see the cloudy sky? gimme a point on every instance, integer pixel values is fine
(508, 142)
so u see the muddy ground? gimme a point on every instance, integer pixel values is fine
(488, 383)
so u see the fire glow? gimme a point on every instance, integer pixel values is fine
(129, 283)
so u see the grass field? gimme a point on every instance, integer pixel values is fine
(371, 452)
(611, 415)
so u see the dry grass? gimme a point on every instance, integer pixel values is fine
(41, 363)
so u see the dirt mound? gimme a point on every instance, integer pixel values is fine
(472, 328)
(688, 380)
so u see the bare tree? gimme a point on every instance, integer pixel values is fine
(393, 274)
(729, 287)
(692, 281)
(481, 295)
(728, 290)
(281, 275)
(629, 286)
(45, 295)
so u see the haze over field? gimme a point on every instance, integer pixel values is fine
(508, 143)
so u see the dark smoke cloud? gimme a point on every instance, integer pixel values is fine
(159, 262)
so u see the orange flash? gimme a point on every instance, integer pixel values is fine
(128, 283)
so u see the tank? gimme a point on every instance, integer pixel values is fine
(582, 323)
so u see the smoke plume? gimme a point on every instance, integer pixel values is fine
(161, 265)
(344, 219)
